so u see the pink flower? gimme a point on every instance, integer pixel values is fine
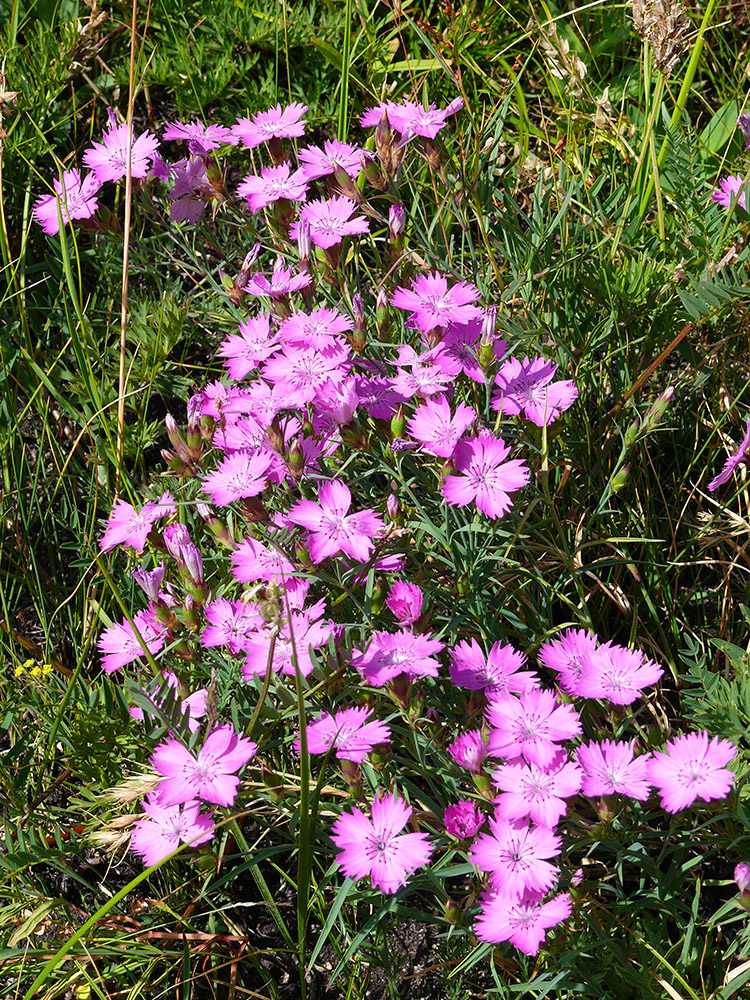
(391, 654)
(192, 707)
(515, 854)
(374, 847)
(201, 139)
(523, 387)
(742, 878)
(497, 673)
(432, 304)
(209, 776)
(485, 477)
(108, 159)
(301, 372)
(229, 624)
(167, 827)
(120, 646)
(521, 921)
(537, 792)
(305, 630)
(437, 428)
(531, 726)
(693, 767)
(331, 529)
(73, 199)
(411, 119)
(282, 282)
(330, 221)
(731, 189)
(609, 768)
(317, 330)
(274, 183)
(616, 674)
(348, 731)
(469, 750)
(240, 475)
(463, 819)
(317, 162)
(565, 656)
(739, 457)
(127, 526)
(191, 191)
(272, 124)
(252, 561)
(405, 602)
(244, 350)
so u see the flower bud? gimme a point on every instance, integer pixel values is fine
(177, 440)
(358, 336)
(150, 581)
(393, 507)
(396, 222)
(463, 819)
(398, 423)
(742, 878)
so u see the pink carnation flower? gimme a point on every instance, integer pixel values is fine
(317, 330)
(739, 457)
(693, 767)
(108, 159)
(731, 189)
(330, 221)
(609, 768)
(527, 789)
(437, 428)
(614, 673)
(282, 282)
(331, 528)
(463, 820)
(433, 304)
(127, 526)
(252, 561)
(167, 827)
(531, 726)
(73, 199)
(526, 387)
(201, 139)
(120, 646)
(243, 351)
(334, 155)
(240, 475)
(497, 673)
(411, 119)
(565, 656)
(376, 847)
(469, 750)
(276, 123)
(515, 855)
(523, 921)
(275, 183)
(348, 732)
(394, 653)
(229, 624)
(485, 477)
(209, 776)
(405, 602)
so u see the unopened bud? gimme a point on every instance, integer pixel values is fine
(177, 440)
(392, 506)
(384, 143)
(396, 221)
(620, 478)
(358, 336)
(296, 458)
(150, 581)
(304, 242)
(382, 318)
(398, 423)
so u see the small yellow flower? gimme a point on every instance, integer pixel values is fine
(19, 670)
(28, 663)
(36, 671)
(46, 669)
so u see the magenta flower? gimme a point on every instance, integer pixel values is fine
(201, 139)
(565, 656)
(74, 198)
(331, 528)
(693, 767)
(539, 793)
(433, 304)
(301, 372)
(305, 630)
(330, 221)
(485, 477)
(463, 820)
(495, 674)
(282, 282)
(437, 428)
(229, 624)
(348, 732)
(392, 653)
(252, 561)
(244, 350)
(317, 330)
(276, 123)
(521, 921)
(531, 726)
(167, 827)
(739, 457)
(240, 475)
(469, 750)
(515, 855)
(405, 602)
(742, 878)
(374, 847)
(524, 387)
(425, 378)
(108, 159)
(731, 189)
(274, 183)
(334, 155)
(209, 776)
(120, 646)
(127, 526)
(411, 119)
(616, 674)
(609, 768)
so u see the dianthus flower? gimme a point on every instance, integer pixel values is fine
(375, 848)
(275, 183)
(537, 792)
(614, 673)
(167, 827)
(331, 528)
(334, 155)
(191, 191)
(739, 457)
(433, 304)
(404, 601)
(301, 371)
(201, 139)
(330, 220)
(524, 387)
(485, 477)
(523, 921)
(392, 653)
(74, 198)
(209, 776)
(120, 646)
(348, 732)
(530, 726)
(229, 624)
(127, 526)
(108, 159)
(437, 428)
(469, 750)
(463, 820)
(317, 330)
(565, 656)
(240, 475)
(411, 119)
(304, 630)
(610, 768)
(515, 855)
(497, 673)
(252, 561)
(282, 282)
(243, 351)
(731, 189)
(693, 767)
(276, 123)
